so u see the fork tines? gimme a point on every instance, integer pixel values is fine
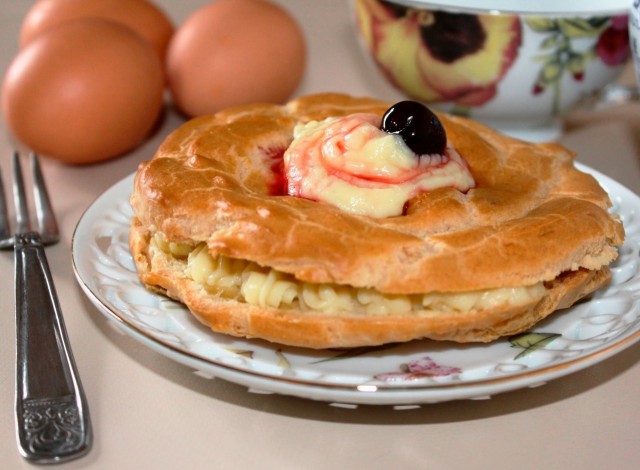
(5, 232)
(19, 197)
(47, 224)
(46, 221)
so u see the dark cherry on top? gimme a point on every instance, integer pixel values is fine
(418, 126)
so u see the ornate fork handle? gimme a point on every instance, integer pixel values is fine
(51, 409)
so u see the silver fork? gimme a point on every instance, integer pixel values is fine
(52, 416)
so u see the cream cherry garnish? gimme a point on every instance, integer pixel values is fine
(352, 163)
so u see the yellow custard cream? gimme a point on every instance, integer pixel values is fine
(353, 164)
(245, 281)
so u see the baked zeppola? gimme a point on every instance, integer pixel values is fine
(335, 221)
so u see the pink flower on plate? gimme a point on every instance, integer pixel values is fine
(419, 369)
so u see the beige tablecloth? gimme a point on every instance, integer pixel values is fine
(151, 412)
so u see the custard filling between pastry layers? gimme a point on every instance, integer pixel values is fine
(248, 282)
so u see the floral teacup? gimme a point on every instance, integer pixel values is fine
(516, 72)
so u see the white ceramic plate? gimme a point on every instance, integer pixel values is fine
(409, 374)
(536, 7)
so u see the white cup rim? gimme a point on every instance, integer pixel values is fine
(537, 7)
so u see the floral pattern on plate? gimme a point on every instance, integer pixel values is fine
(399, 374)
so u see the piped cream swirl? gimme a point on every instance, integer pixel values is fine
(353, 164)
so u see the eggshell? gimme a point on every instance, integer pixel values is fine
(84, 91)
(233, 52)
(142, 16)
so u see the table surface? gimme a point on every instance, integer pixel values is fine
(149, 411)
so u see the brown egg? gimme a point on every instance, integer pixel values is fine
(84, 91)
(142, 16)
(232, 52)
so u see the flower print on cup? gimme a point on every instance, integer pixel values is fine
(518, 73)
(440, 56)
(562, 50)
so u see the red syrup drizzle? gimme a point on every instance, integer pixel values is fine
(405, 207)
(277, 186)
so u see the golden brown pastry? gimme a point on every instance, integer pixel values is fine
(213, 229)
